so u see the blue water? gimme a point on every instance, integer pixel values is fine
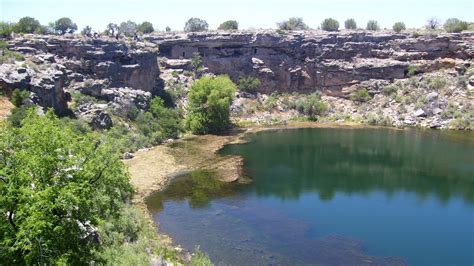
(332, 197)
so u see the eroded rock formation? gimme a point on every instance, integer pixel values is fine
(309, 61)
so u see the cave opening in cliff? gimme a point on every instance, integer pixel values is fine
(255, 51)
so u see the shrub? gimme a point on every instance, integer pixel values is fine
(65, 25)
(350, 24)
(229, 25)
(209, 102)
(399, 27)
(6, 29)
(19, 96)
(196, 25)
(27, 25)
(455, 25)
(196, 63)
(437, 83)
(390, 89)
(249, 84)
(433, 23)
(87, 31)
(293, 23)
(311, 106)
(200, 259)
(330, 24)
(17, 115)
(411, 71)
(270, 103)
(373, 25)
(361, 95)
(128, 28)
(146, 27)
(167, 29)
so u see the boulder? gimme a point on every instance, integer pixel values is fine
(95, 115)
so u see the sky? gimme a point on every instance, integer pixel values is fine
(249, 13)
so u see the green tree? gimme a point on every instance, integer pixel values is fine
(209, 102)
(373, 25)
(399, 27)
(55, 188)
(19, 97)
(112, 29)
(6, 29)
(195, 25)
(455, 25)
(167, 29)
(249, 84)
(293, 23)
(65, 25)
(330, 24)
(229, 25)
(196, 64)
(350, 24)
(27, 25)
(128, 28)
(146, 27)
(87, 31)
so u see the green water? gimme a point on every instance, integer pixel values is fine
(332, 197)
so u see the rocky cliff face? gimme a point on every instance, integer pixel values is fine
(309, 61)
(54, 64)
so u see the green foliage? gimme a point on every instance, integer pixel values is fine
(167, 29)
(56, 188)
(196, 63)
(361, 95)
(128, 28)
(411, 70)
(146, 27)
(372, 25)
(87, 31)
(200, 259)
(249, 84)
(65, 25)
(312, 106)
(271, 102)
(112, 29)
(455, 25)
(399, 27)
(330, 24)
(350, 24)
(27, 25)
(17, 115)
(209, 102)
(6, 29)
(196, 25)
(390, 89)
(19, 97)
(375, 119)
(229, 25)
(437, 83)
(293, 23)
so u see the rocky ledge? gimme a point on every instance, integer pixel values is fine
(313, 60)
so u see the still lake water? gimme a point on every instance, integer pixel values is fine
(332, 197)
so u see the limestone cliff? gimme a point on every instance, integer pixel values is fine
(309, 61)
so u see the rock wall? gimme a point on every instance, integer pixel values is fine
(308, 61)
(53, 63)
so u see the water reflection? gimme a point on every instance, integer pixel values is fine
(327, 161)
